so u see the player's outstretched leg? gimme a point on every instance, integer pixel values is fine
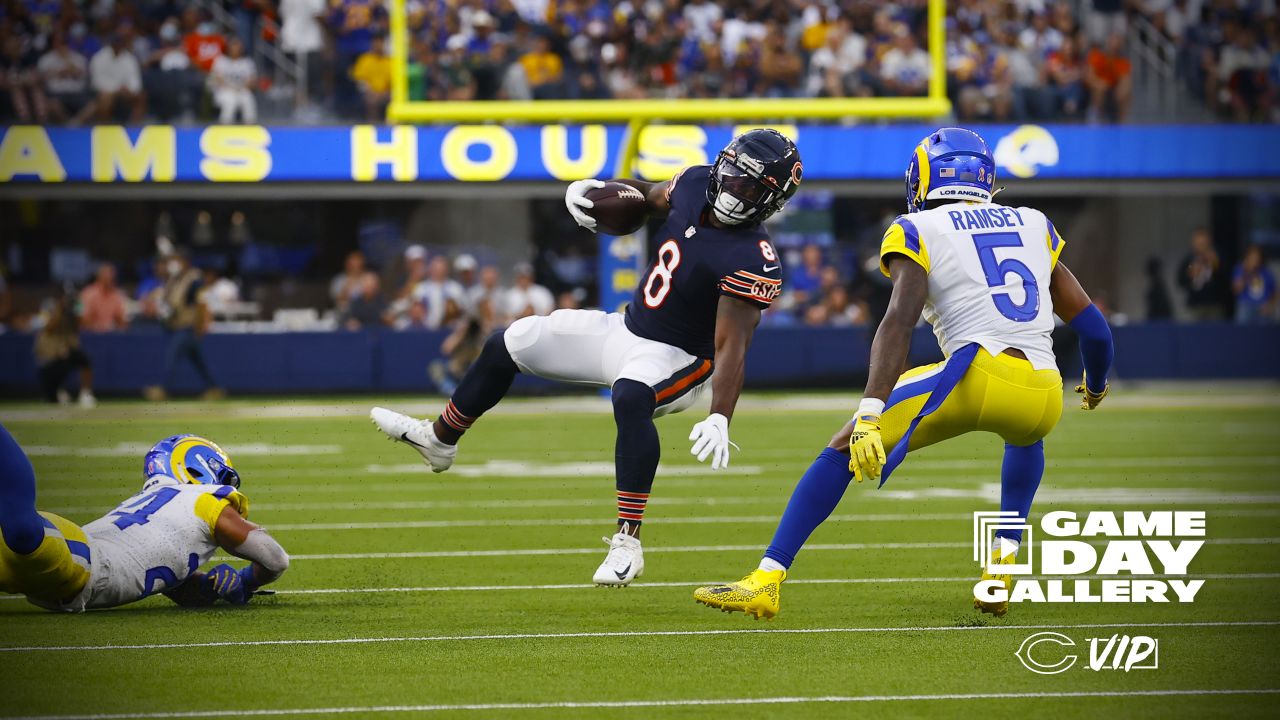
(35, 558)
(20, 524)
(815, 497)
(636, 455)
(1020, 476)
(485, 383)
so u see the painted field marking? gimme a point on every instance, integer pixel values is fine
(138, 449)
(632, 634)
(696, 583)
(525, 552)
(623, 704)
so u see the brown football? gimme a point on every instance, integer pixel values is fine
(619, 209)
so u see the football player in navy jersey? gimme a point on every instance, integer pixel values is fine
(687, 328)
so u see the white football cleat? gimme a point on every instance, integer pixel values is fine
(87, 400)
(624, 563)
(418, 434)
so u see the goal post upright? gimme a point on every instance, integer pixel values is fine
(639, 113)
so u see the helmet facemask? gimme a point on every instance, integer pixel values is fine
(737, 196)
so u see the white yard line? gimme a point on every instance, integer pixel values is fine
(696, 583)
(625, 704)
(632, 634)
(524, 552)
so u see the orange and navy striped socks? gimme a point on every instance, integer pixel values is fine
(631, 507)
(456, 420)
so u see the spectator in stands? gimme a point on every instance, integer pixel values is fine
(302, 37)
(544, 70)
(203, 42)
(372, 75)
(1064, 74)
(526, 297)
(423, 74)
(1104, 20)
(231, 81)
(781, 67)
(20, 79)
(904, 69)
(102, 304)
(347, 284)
(834, 67)
(1158, 301)
(1243, 68)
(221, 294)
(804, 279)
(168, 77)
(150, 294)
(1254, 286)
(116, 78)
(459, 83)
(367, 309)
(1040, 38)
(58, 353)
(442, 296)
(489, 294)
(464, 269)
(1203, 278)
(841, 311)
(1109, 80)
(186, 321)
(354, 24)
(406, 309)
(65, 74)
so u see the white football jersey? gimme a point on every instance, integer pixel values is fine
(152, 542)
(989, 268)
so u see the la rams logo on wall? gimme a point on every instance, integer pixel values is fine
(1026, 150)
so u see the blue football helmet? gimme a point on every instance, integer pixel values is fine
(950, 164)
(189, 459)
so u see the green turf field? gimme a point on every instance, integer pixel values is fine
(466, 594)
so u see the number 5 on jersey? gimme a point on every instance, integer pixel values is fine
(997, 271)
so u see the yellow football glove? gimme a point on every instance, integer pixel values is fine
(1089, 399)
(866, 449)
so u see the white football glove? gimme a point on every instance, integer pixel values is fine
(575, 198)
(711, 437)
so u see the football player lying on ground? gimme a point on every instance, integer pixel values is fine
(701, 299)
(988, 280)
(189, 507)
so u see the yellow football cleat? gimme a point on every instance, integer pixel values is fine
(997, 608)
(756, 595)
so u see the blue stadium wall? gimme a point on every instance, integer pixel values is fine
(385, 361)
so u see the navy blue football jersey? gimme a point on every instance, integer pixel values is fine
(696, 264)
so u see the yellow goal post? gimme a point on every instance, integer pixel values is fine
(638, 113)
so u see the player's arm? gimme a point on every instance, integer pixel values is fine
(736, 322)
(889, 351)
(657, 197)
(1072, 304)
(245, 540)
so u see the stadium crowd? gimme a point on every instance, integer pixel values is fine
(77, 61)
(417, 290)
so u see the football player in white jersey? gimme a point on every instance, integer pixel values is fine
(988, 279)
(154, 542)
